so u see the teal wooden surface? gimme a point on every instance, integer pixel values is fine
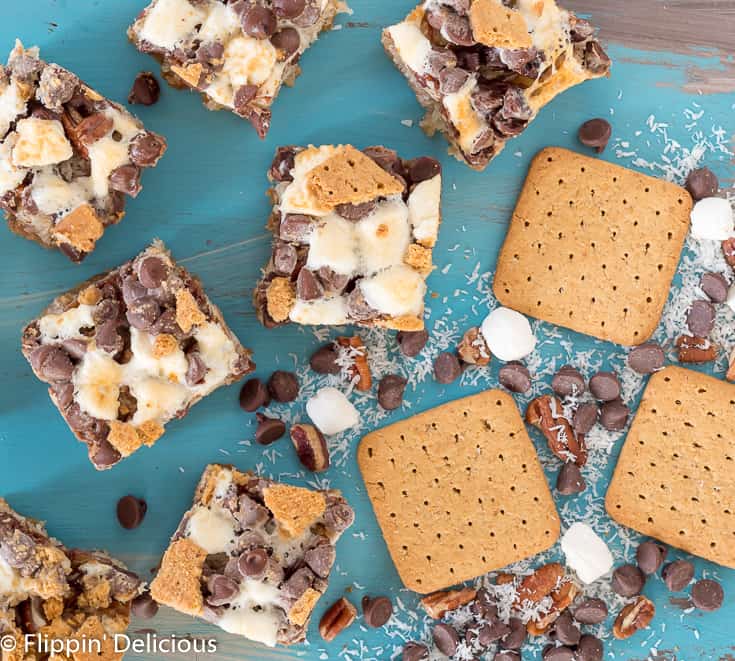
(207, 201)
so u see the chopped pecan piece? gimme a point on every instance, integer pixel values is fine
(693, 349)
(437, 604)
(360, 367)
(340, 615)
(546, 414)
(728, 250)
(473, 349)
(562, 598)
(634, 617)
(730, 376)
(541, 583)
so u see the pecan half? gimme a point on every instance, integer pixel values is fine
(473, 349)
(730, 376)
(360, 367)
(540, 584)
(504, 579)
(437, 604)
(546, 414)
(693, 349)
(633, 617)
(85, 131)
(728, 250)
(340, 615)
(562, 597)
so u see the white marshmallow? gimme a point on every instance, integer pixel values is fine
(331, 411)
(396, 291)
(586, 553)
(730, 300)
(712, 218)
(508, 334)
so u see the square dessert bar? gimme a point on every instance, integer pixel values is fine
(68, 156)
(252, 556)
(353, 237)
(236, 53)
(49, 592)
(129, 350)
(484, 68)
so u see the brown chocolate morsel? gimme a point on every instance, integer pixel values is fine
(287, 40)
(132, 290)
(298, 583)
(589, 648)
(332, 281)
(568, 381)
(145, 90)
(339, 515)
(308, 287)
(515, 377)
(221, 590)
(285, 258)
(456, 29)
(591, 611)
(412, 342)
(701, 318)
(565, 631)
(678, 574)
(358, 308)
(707, 595)
(309, 15)
(446, 368)
(595, 133)
(253, 395)
(552, 653)
(595, 58)
(243, 96)
(650, 556)
(152, 272)
(585, 417)
(445, 638)
(25, 66)
(146, 149)
(105, 455)
(702, 183)
(74, 168)
(507, 655)
(64, 394)
(439, 60)
(252, 564)
(320, 559)
(281, 166)
(452, 79)
(295, 227)
(390, 391)
(196, 369)
(628, 581)
(144, 606)
(268, 430)
(581, 29)
(143, 313)
(355, 211)
(107, 310)
(376, 610)
(614, 415)
(387, 159)
(646, 358)
(52, 363)
(413, 651)
(605, 386)
(126, 179)
(131, 511)
(108, 338)
(251, 513)
(324, 360)
(56, 87)
(570, 481)
(259, 22)
(514, 639)
(715, 285)
(210, 54)
(283, 386)
(167, 323)
(423, 168)
(523, 61)
(288, 8)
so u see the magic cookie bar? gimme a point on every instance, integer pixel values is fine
(131, 349)
(237, 54)
(484, 68)
(49, 592)
(252, 556)
(353, 237)
(68, 156)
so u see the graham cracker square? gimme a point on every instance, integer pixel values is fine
(674, 479)
(458, 491)
(592, 246)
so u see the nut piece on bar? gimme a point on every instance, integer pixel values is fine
(68, 156)
(252, 556)
(483, 69)
(236, 54)
(353, 237)
(53, 592)
(128, 350)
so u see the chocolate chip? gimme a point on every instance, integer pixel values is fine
(143, 313)
(283, 386)
(415, 652)
(324, 360)
(390, 391)
(320, 559)
(144, 606)
(702, 183)
(253, 563)
(452, 80)
(507, 655)
(75, 348)
(650, 556)
(715, 286)
(259, 22)
(105, 455)
(595, 58)
(309, 16)
(387, 159)
(456, 29)
(130, 511)
(308, 287)
(565, 631)
(56, 87)
(412, 342)
(358, 308)
(288, 8)
(585, 417)
(52, 363)
(628, 581)
(515, 377)
(376, 611)
(333, 282)
(285, 258)
(355, 211)
(589, 649)
(591, 611)
(145, 89)
(146, 149)
(446, 639)
(605, 386)
(132, 290)
(551, 653)
(701, 318)
(514, 639)
(678, 574)
(446, 368)
(646, 358)
(295, 227)
(222, 589)
(614, 415)
(243, 96)
(281, 166)
(707, 595)
(595, 133)
(269, 430)
(423, 168)
(152, 272)
(568, 381)
(196, 369)
(253, 395)
(287, 40)
(570, 480)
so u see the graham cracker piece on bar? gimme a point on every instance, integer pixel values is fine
(495, 25)
(674, 478)
(592, 246)
(177, 582)
(458, 491)
(294, 508)
(80, 228)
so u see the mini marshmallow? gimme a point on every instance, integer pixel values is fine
(586, 553)
(712, 218)
(730, 300)
(508, 334)
(331, 411)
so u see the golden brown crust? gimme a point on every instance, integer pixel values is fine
(92, 629)
(177, 583)
(90, 295)
(294, 508)
(405, 322)
(191, 73)
(495, 25)
(280, 298)
(188, 313)
(124, 437)
(80, 228)
(164, 345)
(150, 431)
(301, 610)
(419, 258)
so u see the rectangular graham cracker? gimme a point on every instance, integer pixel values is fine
(458, 491)
(592, 246)
(674, 479)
